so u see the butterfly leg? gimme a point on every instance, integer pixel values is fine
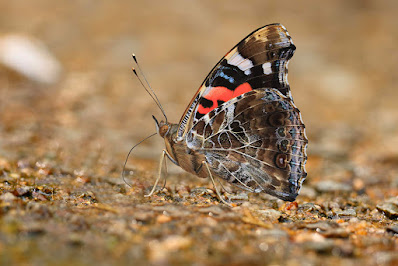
(226, 190)
(165, 167)
(214, 185)
(164, 153)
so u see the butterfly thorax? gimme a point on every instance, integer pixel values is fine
(178, 152)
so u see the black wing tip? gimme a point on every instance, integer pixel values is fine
(271, 25)
(286, 196)
(290, 198)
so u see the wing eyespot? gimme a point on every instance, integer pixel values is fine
(255, 147)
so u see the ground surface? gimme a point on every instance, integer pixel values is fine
(62, 145)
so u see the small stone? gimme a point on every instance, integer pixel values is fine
(5, 165)
(394, 182)
(143, 217)
(172, 210)
(212, 210)
(336, 233)
(120, 228)
(269, 214)
(386, 258)
(163, 219)
(271, 233)
(15, 175)
(7, 197)
(322, 247)
(21, 191)
(310, 207)
(358, 184)
(240, 196)
(309, 237)
(347, 212)
(332, 186)
(29, 57)
(38, 210)
(389, 208)
(160, 250)
(320, 226)
(392, 230)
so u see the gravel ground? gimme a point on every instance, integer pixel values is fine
(70, 110)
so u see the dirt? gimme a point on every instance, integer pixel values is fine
(63, 143)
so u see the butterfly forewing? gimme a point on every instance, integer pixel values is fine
(258, 61)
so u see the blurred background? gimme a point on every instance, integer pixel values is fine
(71, 108)
(66, 80)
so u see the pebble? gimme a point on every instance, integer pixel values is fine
(119, 228)
(309, 237)
(172, 210)
(332, 186)
(21, 191)
(240, 196)
(29, 57)
(347, 212)
(271, 233)
(4, 164)
(389, 208)
(386, 258)
(38, 211)
(336, 233)
(392, 230)
(160, 250)
(163, 219)
(323, 247)
(327, 229)
(269, 214)
(310, 207)
(7, 197)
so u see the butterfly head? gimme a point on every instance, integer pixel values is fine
(162, 128)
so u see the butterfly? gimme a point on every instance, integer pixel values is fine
(242, 125)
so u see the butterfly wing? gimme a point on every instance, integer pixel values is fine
(255, 141)
(258, 61)
(243, 119)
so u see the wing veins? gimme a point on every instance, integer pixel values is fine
(244, 186)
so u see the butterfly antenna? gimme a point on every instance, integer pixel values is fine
(153, 98)
(128, 155)
(150, 88)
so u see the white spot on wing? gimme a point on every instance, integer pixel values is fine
(267, 68)
(242, 63)
(230, 112)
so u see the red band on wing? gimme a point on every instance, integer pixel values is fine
(222, 94)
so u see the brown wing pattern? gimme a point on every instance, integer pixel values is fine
(256, 141)
(258, 61)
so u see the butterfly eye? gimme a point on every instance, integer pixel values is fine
(163, 130)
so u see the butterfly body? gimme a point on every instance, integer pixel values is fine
(180, 154)
(242, 125)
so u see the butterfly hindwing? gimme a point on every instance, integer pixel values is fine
(243, 123)
(258, 61)
(255, 141)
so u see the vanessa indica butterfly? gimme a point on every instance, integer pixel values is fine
(242, 125)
